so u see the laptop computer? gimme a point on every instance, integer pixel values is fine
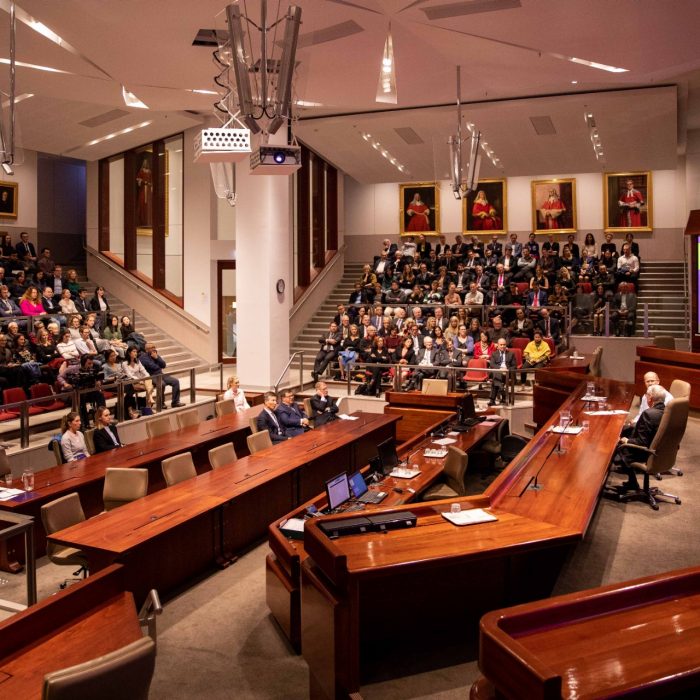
(360, 491)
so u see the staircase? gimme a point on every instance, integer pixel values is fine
(661, 287)
(307, 340)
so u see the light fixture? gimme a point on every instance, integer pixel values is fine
(34, 66)
(114, 134)
(599, 66)
(386, 88)
(7, 167)
(18, 99)
(594, 135)
(377, 146)
(130, 100)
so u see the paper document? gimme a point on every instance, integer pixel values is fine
(8, 494)
(569, 430)
(618, 412)
(400, 473)
(595, 399)
(469, 517)
(296, 524)
(345, 416)
(444, 441)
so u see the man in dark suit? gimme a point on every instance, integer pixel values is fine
(26, 252)
(423, 248)
(106, 435)
(501, 358)
(643, 434)
(428, 359)
(496, 247)
(267, 419)
(536, 296)
(293, 419)
(330, 345)
(323, 406)
(81, 302)
(549, 326)
(624, 310)
(8, 307)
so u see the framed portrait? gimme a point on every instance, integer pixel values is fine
(627, 201)
(485, 210)
(419, 209)
(144, 191)
(554, 206)
(9, 195)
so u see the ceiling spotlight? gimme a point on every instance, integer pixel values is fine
(7, 167)
(279, 157)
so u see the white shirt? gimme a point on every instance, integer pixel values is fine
(238, 397)
(644, 405)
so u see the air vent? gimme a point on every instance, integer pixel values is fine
(468, 7)
(543, 126)
(101, 119)
(409, 135)
(333, 33)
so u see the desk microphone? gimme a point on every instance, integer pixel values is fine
(407, 461)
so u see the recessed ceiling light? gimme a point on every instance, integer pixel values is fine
(599, 66)
(128, 130)
(574, 82)
(48, 69)
(204, 92)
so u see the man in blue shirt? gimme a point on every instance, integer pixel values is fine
(155, 365)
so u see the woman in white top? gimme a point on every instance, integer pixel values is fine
(72, 440)
(234, 391)
(133, 369)
(66, 303)
(67, 347)
(74, 326)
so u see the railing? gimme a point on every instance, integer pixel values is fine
(149, 610)
(300, 354)
(21, 525)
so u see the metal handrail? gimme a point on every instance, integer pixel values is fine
(149, 610)
(21, 525)
(300, 353)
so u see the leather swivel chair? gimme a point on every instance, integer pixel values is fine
(178, 468)
(434, 387)
(594, 368)
(225, 407)
(259, 441)
(187, 418)
(309, 411)
(221, 455)
(89, 436)
(123, 486)
(253, 423)
(159, 426)
(454, 474)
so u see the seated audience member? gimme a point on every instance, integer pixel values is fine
(46, 351)
(106, 435)
(395, 295)
(19, 286)
(600, 299)
(498, 331)
(101, 343)
(349, 350)
(65, 303)
(483, 347)
(560, 298)
(533, 246)
(540, 279)
(155, 365)
(524, 267)
(45, 263)
(604, 276)
(573, 247)
(624, 307)
(73, 441)
(565, 278)
(424, 277)
(423, 247)
(234, 391)
(293, 419)
(643, 434)
(551, 244)
(72, 283)
(590, 250)
(650, 379)
(7, 250)
(380, 264)
(515, 246)
(428, 359)
(634, 247)
(26, 252)
(85, 344)
(536, 297)
(8, 306)
(473, 298)
(535, 355)
(379, 355)
(81, 302)
(608, 245)
(627, 266)
(344, 326)
(126, 328)
(30, 303)
(98, 303)
(342, 311)
(67, 347)
(504, 359)
(330, 345)
(408, 249)
(26, 359)
(323, 407)
(549, 326)
(359, 296)
(56, 282)
(83, 375)
(463, 347)
(267, 419)
(73, 327)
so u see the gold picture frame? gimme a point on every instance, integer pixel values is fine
(622, 211)
(554, 206)
(487, 217)
(9, 200)
(428, 199)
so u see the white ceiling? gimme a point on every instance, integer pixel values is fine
(513, 61)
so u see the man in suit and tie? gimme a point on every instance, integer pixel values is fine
(8, 307)
(293, 419)
(26, 252)
(81, 302)
(549, 326)
(330, 344)
(323, 406)
(496, 247)
(503, 359)
(106, 435)
(440, 320)
(536, 297)
(428, 359)
(377, 316)
(624, 310)
(516, 248)
(267, 419)
(502, 277)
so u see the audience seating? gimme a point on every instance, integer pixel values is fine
(158, 426)
(259, 441)
(225, 407)
(221, 455)
(594, 367)
(187, 418)
(473, 374)
(124, 673)
(89, 436)
(43, 390)
(178, 468)
(16, 395)
(666, 342)
(58, 515)
(454, 474)
(253, 423)
(123, 486)
(520, 343)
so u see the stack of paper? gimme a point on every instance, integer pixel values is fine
(7, 494)
(469, 517)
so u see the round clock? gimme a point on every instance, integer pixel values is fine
(280, 286)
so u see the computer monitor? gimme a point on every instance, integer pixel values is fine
(466, 407)
(337, 490)
(358, 485)
(387, 453)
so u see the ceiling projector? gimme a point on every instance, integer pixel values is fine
(222, 145)
(275, 160)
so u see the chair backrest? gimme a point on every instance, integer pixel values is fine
(586, 287)
(434, 387)
(259, 441)
(178, 468)
(124, 673)
(455, 469)
(308, 410)
(123, 486)
(594, 367)
(186, 418)
(665, 341)
(552, 346)
(511, 446)
(502, 430)
(159, 426)
(474, 375)
(679, 389)
(60, 514)
(225, 407)
(253, 423)
(89, 436)
(669, 436)
(522, 287)
(518, 354)
(14, 395)
(520, 343)
(57, 452)
(223, 454)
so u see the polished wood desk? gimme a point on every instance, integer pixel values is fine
(669, 365)
(170, 536)
(283, 564)
(569, 363)
(634, 639)
(89, 619)
(86, 476)
(427, 586)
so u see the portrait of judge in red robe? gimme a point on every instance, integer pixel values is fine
(144, 195)
(630, 203)
(484, 215)
(418, 215)
(552, 210)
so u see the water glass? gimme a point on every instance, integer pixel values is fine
(564, 419)
(8, 479)
(590, 388)
(455, 508)
(585, 424)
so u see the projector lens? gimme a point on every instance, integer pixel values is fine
(279, 157)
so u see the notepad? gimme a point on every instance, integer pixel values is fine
(618, 412)
(569, 430)
(345, 416)
(9, 494)
(444, 441)
(594, 399)
(469, 517)
(400, 473)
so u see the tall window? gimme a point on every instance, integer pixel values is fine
(140, 213)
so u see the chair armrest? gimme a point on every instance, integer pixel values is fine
(641, 448)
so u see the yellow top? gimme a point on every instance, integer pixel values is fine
(533, 353)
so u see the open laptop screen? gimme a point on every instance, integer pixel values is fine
(358, 487)
(338, 490)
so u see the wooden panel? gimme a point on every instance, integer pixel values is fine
(159, 215)
(303, 216)
(103, 205)
(669, 365)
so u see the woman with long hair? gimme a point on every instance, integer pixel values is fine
(234, 391)
(73, 441)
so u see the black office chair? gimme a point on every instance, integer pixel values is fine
(511, 445)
